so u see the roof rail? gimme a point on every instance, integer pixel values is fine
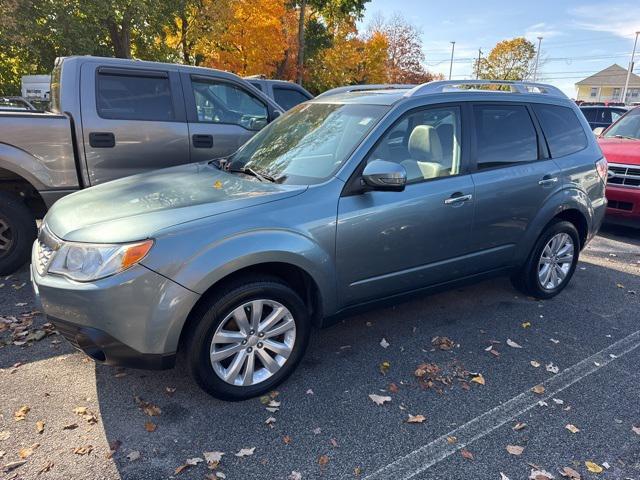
(365, 88)
(441, 86)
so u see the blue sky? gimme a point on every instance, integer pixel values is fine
(580, 38)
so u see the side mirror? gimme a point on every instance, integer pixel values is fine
(598, 131)
(257, 123)
(383, 175)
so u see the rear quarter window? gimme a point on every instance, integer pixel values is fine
(561, 128)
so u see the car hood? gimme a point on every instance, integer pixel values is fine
(620, 150)
(136, 207)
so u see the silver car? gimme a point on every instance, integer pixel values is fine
(346, 201)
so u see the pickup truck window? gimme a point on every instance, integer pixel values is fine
(223, 102)
(132, 97)
(288, 97)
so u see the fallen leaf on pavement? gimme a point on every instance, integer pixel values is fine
(534, 364)
(540, 475)
(384, 367)
(39, 426)
(194, 461)
(478, 379)
(334, 443)
(21, 413)
(4, 435)
(379, 399)
(466, 454)
(270, 421)
(147, 407)
(443, 343)
(570, 473)
(554, 340)
(150, 427)
(245, 452)
(593, 467)
(70, 426)
(519, 426)
(294, 475)
(84, 450)
(287, 439)
(539, 389)
(27, 451)
(13, 465)
(515, 449)
(513, 344)
(86, 414)
(393, 388)
(323, 460)
(46, 467)
(526, 324)
(558, 401)
(357, 471)
(416, 419)
(213, 457)
(635, 430)
(552, 368)
(384, 343)
(572, 428)
(451, 440)
(503, 476)
(133, 456)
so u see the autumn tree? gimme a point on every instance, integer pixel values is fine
(405, 57)
(508, 60)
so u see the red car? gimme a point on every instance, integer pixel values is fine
(620, 144)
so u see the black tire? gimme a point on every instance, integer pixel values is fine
(213, 311)
(18, 225)
(526, 279)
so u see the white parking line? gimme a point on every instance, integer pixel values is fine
(428, 455)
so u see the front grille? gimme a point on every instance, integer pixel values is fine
(620, 205)
(46, 246)
(624, 175)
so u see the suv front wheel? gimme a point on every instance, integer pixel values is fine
(248, 339)
(552, 262)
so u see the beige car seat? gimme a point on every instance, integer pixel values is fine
(426, 154)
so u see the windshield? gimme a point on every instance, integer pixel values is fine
(627, 127)
(309, 143)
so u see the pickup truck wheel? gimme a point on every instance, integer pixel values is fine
(17, 233)
(248, 339)
(552, 262)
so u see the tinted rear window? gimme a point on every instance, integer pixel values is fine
(288, 97)
(562, 129)
(505, 135)
(131, 97)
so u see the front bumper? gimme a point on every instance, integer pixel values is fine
(132, 319)
(623, 206)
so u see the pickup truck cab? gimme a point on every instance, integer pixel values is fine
(284, 93)
(112, 118)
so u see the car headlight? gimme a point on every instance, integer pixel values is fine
(85, 262)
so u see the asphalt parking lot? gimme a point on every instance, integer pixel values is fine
(579, 352)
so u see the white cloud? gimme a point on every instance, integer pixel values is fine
(622, 19)
(541, 29)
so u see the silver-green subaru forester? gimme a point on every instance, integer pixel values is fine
(353, 198)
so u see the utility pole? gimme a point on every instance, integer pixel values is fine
(626, 84)
(478, 64)
(453, 47)
(535, 68)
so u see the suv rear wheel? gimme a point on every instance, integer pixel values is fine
(248, 339)
(551, 263)
(17, 233)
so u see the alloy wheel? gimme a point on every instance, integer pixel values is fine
(6, 237)
(253, 342)
(555, 261)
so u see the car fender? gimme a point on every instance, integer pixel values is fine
(567, 198)
(229, 255)
(25, 165)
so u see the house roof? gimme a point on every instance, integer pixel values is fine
(613, 76)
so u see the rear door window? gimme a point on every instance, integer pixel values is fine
(505, 135)
(288, 97)
(134, 97)
(562, 129)
(590, 114)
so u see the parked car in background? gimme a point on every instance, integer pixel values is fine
(112, 118)
(620, 144)
(347, 200)
(286, 94)
(598, 116)
(15, 104)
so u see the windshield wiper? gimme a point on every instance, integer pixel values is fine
(626, 137)
(250, 171)
(219, 163)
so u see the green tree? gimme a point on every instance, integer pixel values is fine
(508, 60)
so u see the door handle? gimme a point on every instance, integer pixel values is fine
(202, 141)
(457, 198)
(548, 180)
(102, 140)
